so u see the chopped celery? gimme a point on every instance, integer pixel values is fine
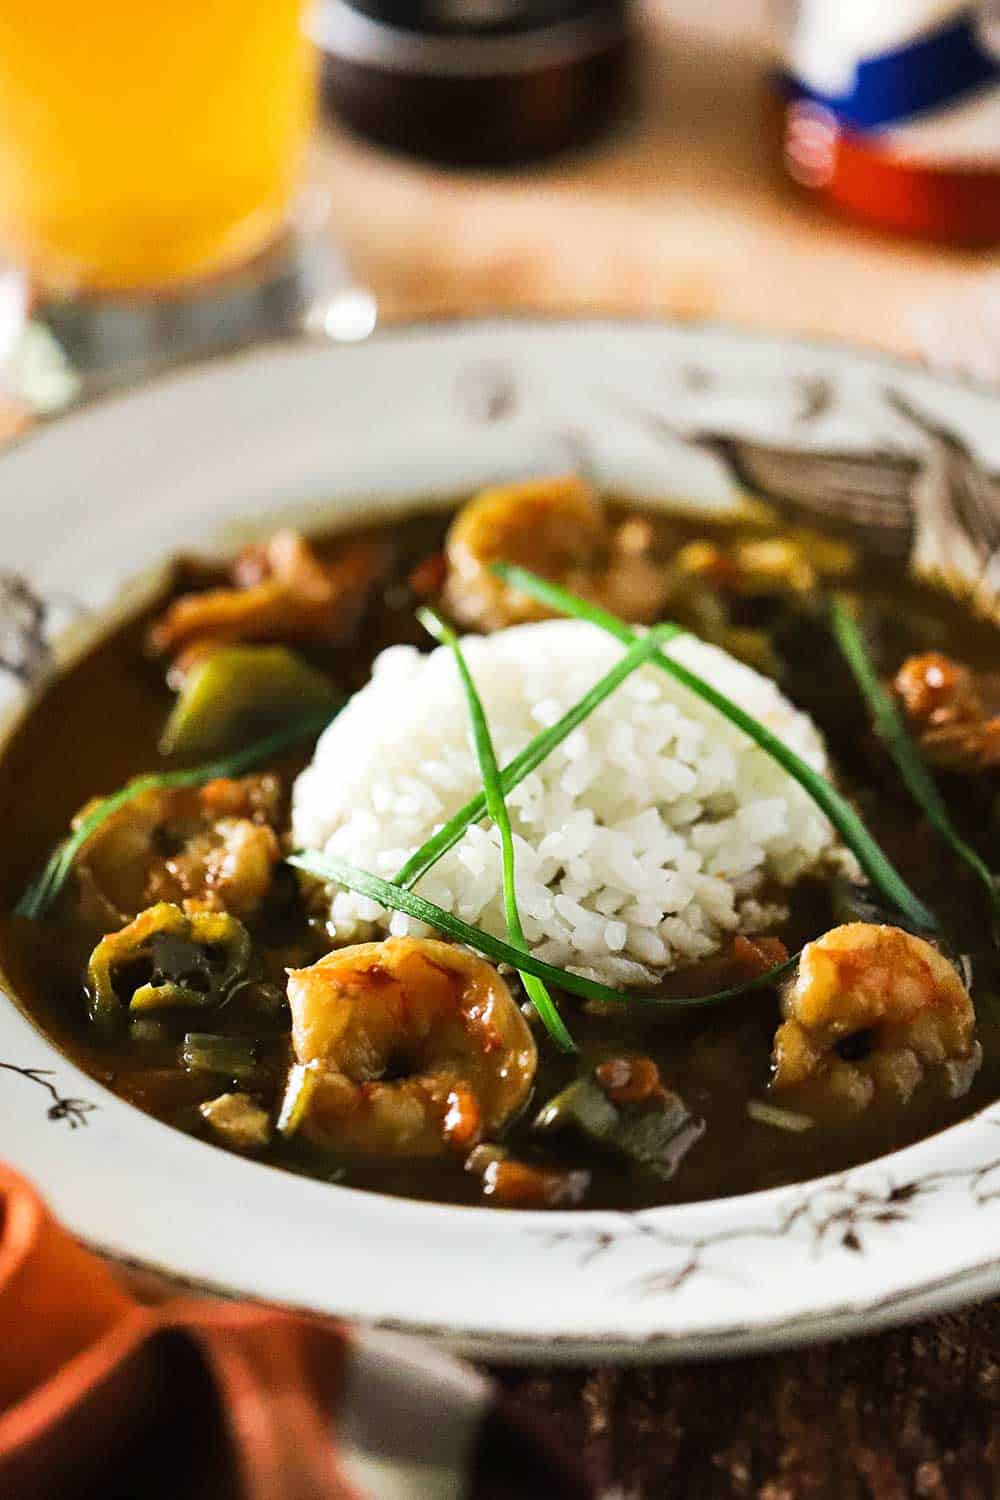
(239, 692)
(581, 1106)
(654, 1135)
(237, 1121)
(302, 1081)
(227, 1056)
(781, 1119)
(149, 1033)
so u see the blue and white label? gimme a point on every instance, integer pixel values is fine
(922, 75)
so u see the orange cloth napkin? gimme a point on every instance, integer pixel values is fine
(100, 1396)
(189, 1398)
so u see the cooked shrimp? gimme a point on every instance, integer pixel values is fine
(414, 1048)
(209, 848)
(282, 591)
(869, 1012)
(555, 527)
(946, 709)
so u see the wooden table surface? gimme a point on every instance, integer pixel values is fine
(682, 211)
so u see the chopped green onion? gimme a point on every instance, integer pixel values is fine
(896, 737)
(879, 869)
(227, 1056)
(497, 810)
(780, 1119)
(42, 892)
(531, 756)
(397, 898)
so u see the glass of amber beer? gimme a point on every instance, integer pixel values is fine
(150, 153)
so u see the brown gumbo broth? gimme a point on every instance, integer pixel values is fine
(99, 724)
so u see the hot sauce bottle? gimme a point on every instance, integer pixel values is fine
(892, 113)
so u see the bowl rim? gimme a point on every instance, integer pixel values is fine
(457, 321)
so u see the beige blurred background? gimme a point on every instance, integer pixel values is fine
(682, 211)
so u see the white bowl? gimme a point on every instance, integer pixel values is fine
(324, 434)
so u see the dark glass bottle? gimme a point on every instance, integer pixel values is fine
(475, 82)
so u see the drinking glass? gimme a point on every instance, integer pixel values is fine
(151, 158)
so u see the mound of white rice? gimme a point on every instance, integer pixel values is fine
(642, 842)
